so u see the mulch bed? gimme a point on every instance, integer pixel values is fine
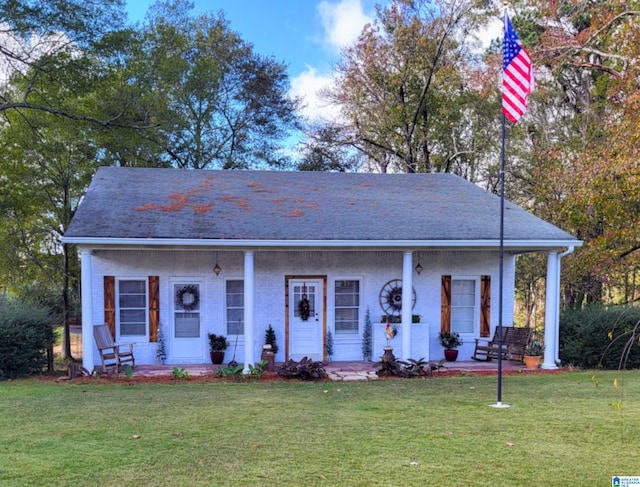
(270, 377)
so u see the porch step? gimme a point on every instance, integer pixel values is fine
(351, 376)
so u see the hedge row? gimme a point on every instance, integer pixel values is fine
(26, 332)
(596, 336)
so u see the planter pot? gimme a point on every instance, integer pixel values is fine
(388, 354)
(451, 355)
(532, 361)
(217, 357)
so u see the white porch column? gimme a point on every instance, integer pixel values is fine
(407, 301)
(551, 318)
(249, 298)
(87, 309)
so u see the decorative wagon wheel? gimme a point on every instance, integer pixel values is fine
(391, 297)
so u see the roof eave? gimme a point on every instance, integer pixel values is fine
(512, 245)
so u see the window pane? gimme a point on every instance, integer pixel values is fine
(235, 315)
(463, 300)
(235, 287)
(235, 328)
(346, 327)
(132, 287)
(187, 297)
(308, 292)
(347, 314)
(187, 325)
(132, 329)
(132, 300)
(347, 307)
(347, 300)
(132, 315)
(463, 305)
(132, 304)
(235, 300)
(235, 307)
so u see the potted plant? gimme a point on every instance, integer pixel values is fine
(450, 342)
(533, 354)
(217, 345)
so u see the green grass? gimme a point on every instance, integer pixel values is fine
(560, 430)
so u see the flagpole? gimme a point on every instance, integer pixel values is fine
(499, 403)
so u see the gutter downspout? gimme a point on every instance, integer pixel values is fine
(560, 256)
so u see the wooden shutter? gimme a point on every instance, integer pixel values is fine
(110, 304)
(485, 306)
(445, 313)
(154, 307)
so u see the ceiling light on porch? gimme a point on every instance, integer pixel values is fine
(217, 269)
(419, 268)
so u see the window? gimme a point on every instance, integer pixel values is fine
(235, 307)
(463, 305)
(132, 307)
(347, 307)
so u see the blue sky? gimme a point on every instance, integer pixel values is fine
(305, 34)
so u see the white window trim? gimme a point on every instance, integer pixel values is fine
(331, 305)
(239, 337)
(476, 309)
(132, 338)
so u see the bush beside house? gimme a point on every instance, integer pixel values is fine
(596, 336)
(26, 333)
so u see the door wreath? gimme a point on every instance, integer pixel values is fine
(304, 308)
(188, 297)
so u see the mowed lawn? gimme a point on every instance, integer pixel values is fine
(560, 430)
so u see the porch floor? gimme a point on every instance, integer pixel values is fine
(352, 370)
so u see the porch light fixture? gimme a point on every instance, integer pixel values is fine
(217, 269)
(419, 268)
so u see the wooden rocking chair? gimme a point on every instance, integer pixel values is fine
(112, 355)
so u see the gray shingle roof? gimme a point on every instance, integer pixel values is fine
(137, 203)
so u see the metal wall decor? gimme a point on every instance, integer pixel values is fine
(391, 297)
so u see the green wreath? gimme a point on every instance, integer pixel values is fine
(304, 308)
(188, 297)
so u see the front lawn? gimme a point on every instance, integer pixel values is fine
(560, 430)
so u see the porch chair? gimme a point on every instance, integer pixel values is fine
(489, 349)
(519, 341)
(111, 354)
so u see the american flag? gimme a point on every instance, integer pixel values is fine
(517, 74)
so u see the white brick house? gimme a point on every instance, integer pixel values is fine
(232, 252)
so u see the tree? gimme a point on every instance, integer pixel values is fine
(583, 174)
(46, 165)
(225, 106)
(409, 86)
(48, 42)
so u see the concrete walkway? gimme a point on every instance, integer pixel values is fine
(336, 371)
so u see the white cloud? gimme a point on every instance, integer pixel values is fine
(308, 85)
(342, 21)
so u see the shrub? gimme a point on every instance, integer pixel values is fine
(26, 333)
(306, 369)
(596, 336)
(399, 368)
